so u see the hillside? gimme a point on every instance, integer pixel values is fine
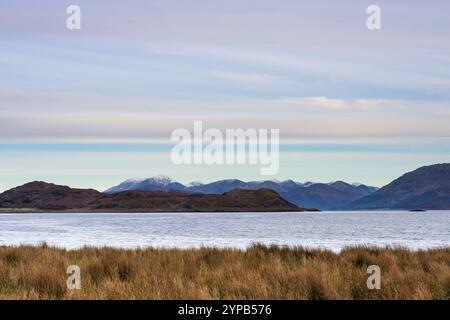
(425, 188)
(47, 196)
(327, 196)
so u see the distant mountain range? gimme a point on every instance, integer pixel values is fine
(425, 188)
(323, 196)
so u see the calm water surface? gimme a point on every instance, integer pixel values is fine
(332, 230)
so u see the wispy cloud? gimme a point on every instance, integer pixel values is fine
(342, 103)
(49, 117)
(315, 101)
(246, 78)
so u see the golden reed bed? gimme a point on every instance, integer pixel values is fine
(260, 272)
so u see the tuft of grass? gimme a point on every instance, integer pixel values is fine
(258, 272)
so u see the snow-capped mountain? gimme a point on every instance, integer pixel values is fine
(158, 183)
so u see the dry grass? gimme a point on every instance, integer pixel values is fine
(259, 272)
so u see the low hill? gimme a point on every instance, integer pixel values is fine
(233, 201)
(47, 196)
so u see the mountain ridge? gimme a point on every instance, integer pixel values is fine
(324, 196)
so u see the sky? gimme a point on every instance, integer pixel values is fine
(95, 106)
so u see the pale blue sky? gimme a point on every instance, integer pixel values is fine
(353, 104)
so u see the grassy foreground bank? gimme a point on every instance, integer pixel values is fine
(259, 272)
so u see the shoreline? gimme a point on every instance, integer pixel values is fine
(81, 210)
(44, 211)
